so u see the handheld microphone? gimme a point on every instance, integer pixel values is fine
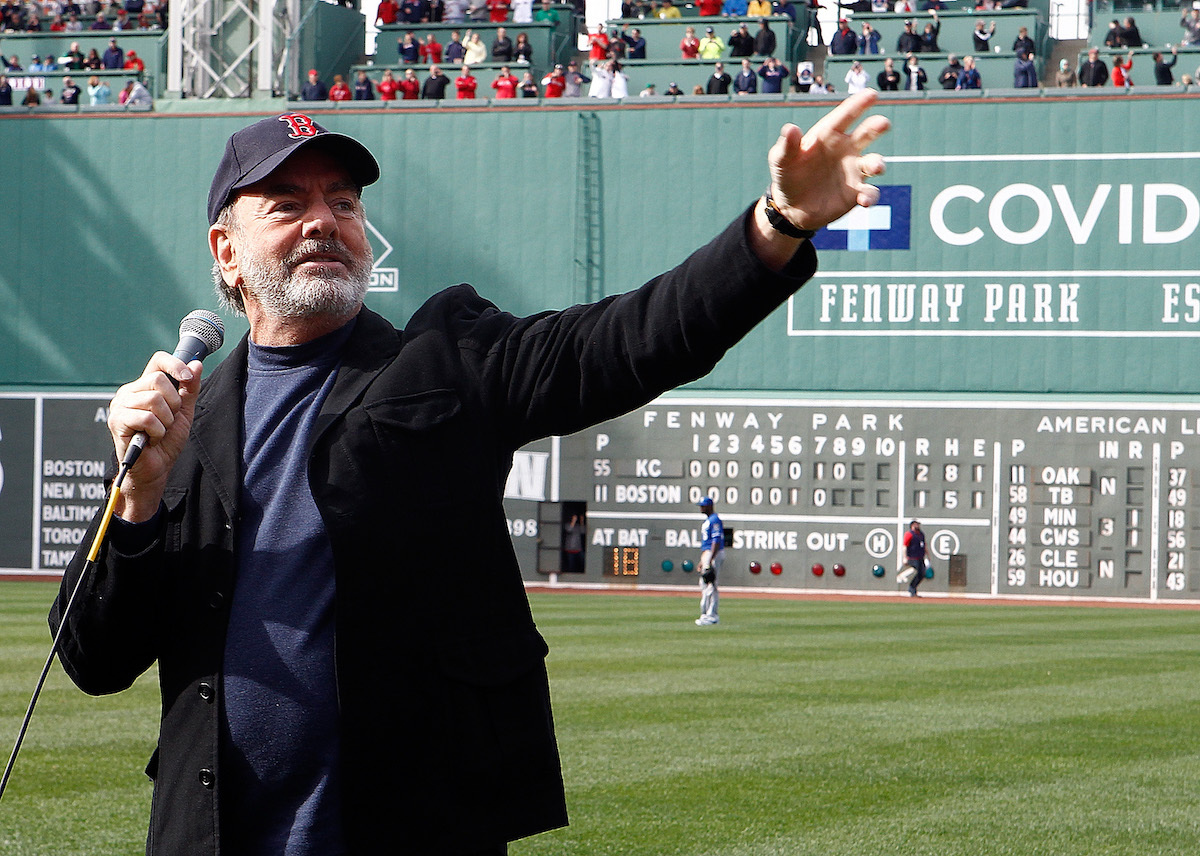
(200, 333)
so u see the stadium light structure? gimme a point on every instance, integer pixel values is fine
(233, 48)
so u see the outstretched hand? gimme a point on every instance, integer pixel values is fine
(818, 176)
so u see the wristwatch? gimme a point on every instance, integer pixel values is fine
(782, 224)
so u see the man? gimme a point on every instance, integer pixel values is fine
(909, 41)
(74, 57)
(408, 86)
(434, 87)
(718, 81)
(948, 76)
(502, 46)
(505, 84)
(1162, 68)
(888, 79)
(555, 82)
(711, 45)
(914, 558)
(364, 87)
(6, 92)
(70, 92)
(573, 81)
(465, 84)
(868, 40)
(764, 39)
(843, 42)
(1024, 71)
(114, 57)
(315, 89)
(387, 12)
(429, 49)
(1191, 27)
(969, 77)
(134, 63)
(546, 13)
(1023, 42)
(1093, 72)
(712, 556)
(746, 82)
(773, 73)
(254, 553)
(741, 43)
(636, 42)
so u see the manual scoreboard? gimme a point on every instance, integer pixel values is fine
(1083, 499)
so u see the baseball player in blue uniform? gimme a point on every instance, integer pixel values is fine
(712, 556)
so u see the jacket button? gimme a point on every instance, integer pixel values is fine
(217, 601)
(207, 778)
(206, 691)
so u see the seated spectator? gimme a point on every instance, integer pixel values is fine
(868, 40)
(434, 87)
(99, 91)
(710, 8)
(466, 83)
(1162, 70)
(74, 25)
(904, 7)
(735, 8)
(33, 24)
(689, 45)
(58, 25)
(315, 89)
(647, 91)
(101, 23)
(35, 64)
(528, 86)
(454, 48)
(773, 74)
(843, 42)
(497, 13)
(1093, 71)
(673, 89)
(697, 89)
(50, 64)
(476, 51)
(523, 49)
(784, 7)
(136, 94)
(92, 61)
(32, 99)
(430, 49)
(667, 11)
(1065, 76)
(1121, 71)
(982, 36)
(410, 88)
(1024, 71)
(388, 86)
(408, 49)
(555, 82)
(969, 77)
(124, 21)
(502, 46)
(948, 76)
(364, 87)
(505, 84)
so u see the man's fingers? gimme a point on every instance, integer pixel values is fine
(845, 114)
(871, 165)
(870, 130)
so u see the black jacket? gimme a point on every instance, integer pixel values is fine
(447, 736)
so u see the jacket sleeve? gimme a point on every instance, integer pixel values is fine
(559, 372)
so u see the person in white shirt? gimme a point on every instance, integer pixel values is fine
(856, 78)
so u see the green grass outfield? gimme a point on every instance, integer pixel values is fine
(794, 727)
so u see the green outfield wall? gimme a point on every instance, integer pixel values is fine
(1004, 347)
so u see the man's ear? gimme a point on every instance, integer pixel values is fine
(222, 247)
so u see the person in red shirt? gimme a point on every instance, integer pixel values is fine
(506, 84)
(599, 44)
(497, 11)
(690, 45)
(465, 83)
(386, 14)
(387, 87)
(133, 62)
(340, 91)
(431, 50)
(555, 82)
(710, 8)
(410, 86)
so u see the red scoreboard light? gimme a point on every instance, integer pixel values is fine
(776, 568)
(839, 570)
(755, 568)
(818, 569)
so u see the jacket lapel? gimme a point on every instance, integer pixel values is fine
(217, 428)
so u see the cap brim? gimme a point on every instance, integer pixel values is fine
(352, 154)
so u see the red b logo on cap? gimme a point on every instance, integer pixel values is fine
(301, 126)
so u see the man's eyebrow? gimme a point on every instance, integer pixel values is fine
(283, 189)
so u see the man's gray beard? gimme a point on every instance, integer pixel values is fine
(283, 293)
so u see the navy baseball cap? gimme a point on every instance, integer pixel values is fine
(705, 503)
(256, 151)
